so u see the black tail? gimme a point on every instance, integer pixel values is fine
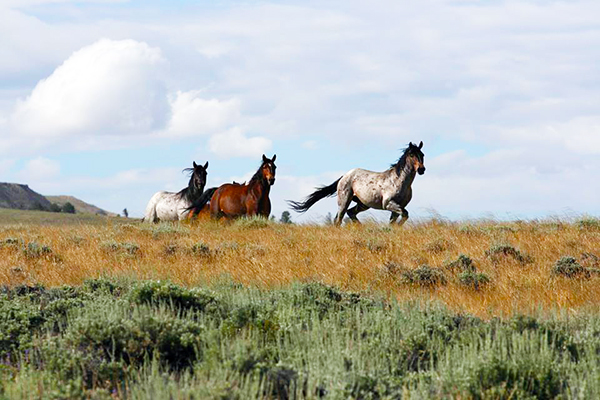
(320, 193)
(201, 201)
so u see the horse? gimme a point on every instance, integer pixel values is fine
(168, 206)
(233, 200)
(389, 190)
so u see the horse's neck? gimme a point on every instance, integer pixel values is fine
(190, 193)
(405, 178)
(260, 187)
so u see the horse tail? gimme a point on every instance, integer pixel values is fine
(320, 193)
(201, 201)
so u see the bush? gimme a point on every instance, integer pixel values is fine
(131, 249)
(588, 223)
(68, 208)
(473, 280)
(253, 223)
(462, 263)
(499, 251)
(166, 293)
(569, 267)
(55, 208)
(34, 250)
(425, 276)
(201, 249)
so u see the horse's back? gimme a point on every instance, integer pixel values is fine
(366, 185)
(228, 200)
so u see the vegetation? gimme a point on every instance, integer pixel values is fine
(117, 338)
(260, 309)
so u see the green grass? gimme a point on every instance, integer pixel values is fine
(149, 339)
(26, 217)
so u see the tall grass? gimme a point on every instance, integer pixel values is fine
(512, 265)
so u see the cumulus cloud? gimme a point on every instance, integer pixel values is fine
(39, 169)
(234, 143)
(194, 115)
(107, 88)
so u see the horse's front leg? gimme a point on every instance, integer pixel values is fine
(396, 210)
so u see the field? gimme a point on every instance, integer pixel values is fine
(112, 308)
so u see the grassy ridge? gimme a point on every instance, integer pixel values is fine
(140, 340)
(485, 269)
(257, 309)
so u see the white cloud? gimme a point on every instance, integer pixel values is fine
(39, 169)
(107, 88)
(234, 143)
(193, 115)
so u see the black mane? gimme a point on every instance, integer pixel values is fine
(401, 163)
(191, 192)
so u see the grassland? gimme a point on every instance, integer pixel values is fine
(512, 265)
(256, 309)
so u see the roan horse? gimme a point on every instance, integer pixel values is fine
(388, 190)
(168, 206)
(233, 200)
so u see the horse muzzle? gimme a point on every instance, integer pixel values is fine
(421, 171)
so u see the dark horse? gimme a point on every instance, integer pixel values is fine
(387, 190)
(233, 200)
(167, 206)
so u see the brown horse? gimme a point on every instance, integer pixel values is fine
(233, 200)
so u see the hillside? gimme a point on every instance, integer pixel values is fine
(15, 195)
(80, 205)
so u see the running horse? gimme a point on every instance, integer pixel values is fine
(168, 206)
(234, 200)
(388, 190)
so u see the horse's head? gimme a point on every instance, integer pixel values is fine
(416, 157)
(268, 168)
(199, 173)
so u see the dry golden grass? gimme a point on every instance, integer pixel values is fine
(353, 257)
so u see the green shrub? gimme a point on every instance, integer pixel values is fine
(137, 337)
(130, 249)
(569, 267)
(68, 208)
(589, 223)
(473, 280)
(525, 377)
(35, 250)
(463, 263)
(253, 223)
(425, 276)
(158, 292)
(201, 249)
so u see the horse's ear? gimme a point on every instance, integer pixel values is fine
(195, 165)
(265, 159)
(274, 157)
(410, 144)
(206, 165)
(421, 145)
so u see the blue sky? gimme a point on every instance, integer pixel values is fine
(110, 100)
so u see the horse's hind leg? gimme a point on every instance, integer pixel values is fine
(344, 199)
(359, 207)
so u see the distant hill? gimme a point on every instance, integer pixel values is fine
(80, 205)
(15, 195)
(21, 197)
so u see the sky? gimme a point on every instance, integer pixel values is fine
(110, 100)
